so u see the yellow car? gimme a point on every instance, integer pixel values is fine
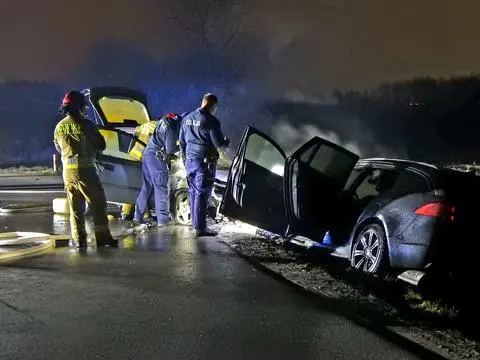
(123, 118)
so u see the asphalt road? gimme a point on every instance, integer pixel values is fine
(33, 189)
(164, 295)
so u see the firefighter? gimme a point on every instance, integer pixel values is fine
(157, 157)
(78, 141)
(142, 132)
(200, 137)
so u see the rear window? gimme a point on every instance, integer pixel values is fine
(408, 182)
(123, 111)
(392, 182)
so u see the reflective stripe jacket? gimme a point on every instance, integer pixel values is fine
(143, 133)
(78, 142)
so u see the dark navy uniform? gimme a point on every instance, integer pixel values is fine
(161, 146)
(200, 136)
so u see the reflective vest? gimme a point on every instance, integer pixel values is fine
(78, 143)
(142, 133)
(77, 163)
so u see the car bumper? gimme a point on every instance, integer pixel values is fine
(410, 256)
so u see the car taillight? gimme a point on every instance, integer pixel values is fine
(437, 209)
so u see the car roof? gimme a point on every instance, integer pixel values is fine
(427, 168)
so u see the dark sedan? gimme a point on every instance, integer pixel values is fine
(380, 214)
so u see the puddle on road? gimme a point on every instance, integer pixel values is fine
(157, 240)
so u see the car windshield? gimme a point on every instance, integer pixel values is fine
(123, 111)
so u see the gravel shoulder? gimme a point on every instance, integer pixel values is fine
(390, 304)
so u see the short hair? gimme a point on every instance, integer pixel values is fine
(210, 99)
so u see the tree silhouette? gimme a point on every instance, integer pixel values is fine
(209, 25)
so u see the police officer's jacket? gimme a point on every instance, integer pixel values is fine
(78, 141)
(200, 135)
(164, 138)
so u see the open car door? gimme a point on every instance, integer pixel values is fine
(254, 191)
(119, 169)
(314, 178)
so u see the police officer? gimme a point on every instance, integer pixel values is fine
(200, 136)
(157, 156)
(78, 141)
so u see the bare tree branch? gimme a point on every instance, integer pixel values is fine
(210, 24)
(204, 25)
(181, 24)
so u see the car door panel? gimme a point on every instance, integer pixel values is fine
(315, 175)
(254, 191)
(119, 171)
(121, 179)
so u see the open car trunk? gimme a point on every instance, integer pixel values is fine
(117, 112)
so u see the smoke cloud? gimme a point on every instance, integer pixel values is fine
(362, 142)
(292, 137)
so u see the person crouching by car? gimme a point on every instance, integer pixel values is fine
(157, 156)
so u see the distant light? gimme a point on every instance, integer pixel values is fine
(278, 169)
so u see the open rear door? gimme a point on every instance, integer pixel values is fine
(314, 177)
(254, 191)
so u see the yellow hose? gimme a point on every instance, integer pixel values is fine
(41, 243)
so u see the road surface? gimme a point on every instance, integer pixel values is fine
(164, 295)
(31, 188)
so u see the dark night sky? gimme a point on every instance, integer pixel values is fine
(315, 44)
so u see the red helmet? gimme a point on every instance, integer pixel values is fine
(172, 116)
(73, 101)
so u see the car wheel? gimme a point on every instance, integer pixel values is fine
(369, 250)
(182, 207)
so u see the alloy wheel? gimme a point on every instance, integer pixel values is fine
(367, 250)
(182, 208)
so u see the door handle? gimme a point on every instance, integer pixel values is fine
(99, 166)
(102, 167)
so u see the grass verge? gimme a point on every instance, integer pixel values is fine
(26, 171)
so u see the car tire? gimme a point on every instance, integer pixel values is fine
(182, 207)
(369, 252)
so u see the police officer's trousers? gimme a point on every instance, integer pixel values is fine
(155, 179)
(201, 177)
(85, 186)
